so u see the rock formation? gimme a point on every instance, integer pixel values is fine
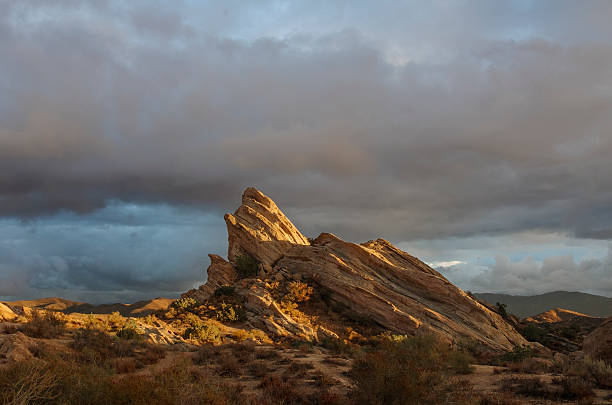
(598, 344)
(375, 281)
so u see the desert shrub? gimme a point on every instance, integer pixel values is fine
(499, 399)
(534, 333)
(47, 325)
(131, 331)
(61, 382)
(528, 366)
(339, 346)
(268, 354)
(26, 382)
(298, 369)
(206, 354)
(574, 388)
(150, 319)
(229, 312)
(258, 368)
(202, 331)
(518, 353)
(277, 390)
(229, 366)
(297, 292)
(95, 346)
(570, 332)
(598, 372)
(116, 320)
(185, 304)
(501, 309)
(225, 290)
(533, 386)
(246, 265)
(461, 362)
(410, 371)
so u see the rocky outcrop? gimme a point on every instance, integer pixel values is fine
(260, 229)
(220, 273)
(598, 344)
(375, 280)
(6, 313)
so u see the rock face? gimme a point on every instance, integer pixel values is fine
(374, 280)
(598, 344)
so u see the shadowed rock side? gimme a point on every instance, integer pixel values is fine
(598, 344)
(375, 280)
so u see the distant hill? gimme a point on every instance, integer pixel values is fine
(140, 308)
(51, 304)
(531, 305)
(556, 315)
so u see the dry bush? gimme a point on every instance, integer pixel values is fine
(574, 388)
(298, 369)
(528, 366)
(499, 399)
(229, 366)
(532, 386)
(116, 320)
(258, 368)
(28, 382)
(277, 390)
(206, 354)
(297, 292)
(45, 325)
(61, 382)
(268, 354)
(408, 371)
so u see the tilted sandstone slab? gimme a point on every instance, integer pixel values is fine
(598, 344)
(379, 282)
(375, 280)
(260, 229)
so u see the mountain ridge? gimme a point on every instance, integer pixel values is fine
(530, 305)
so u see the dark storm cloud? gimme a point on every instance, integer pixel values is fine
(504, 135)
(408, 120)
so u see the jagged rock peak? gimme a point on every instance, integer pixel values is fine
(260, 229)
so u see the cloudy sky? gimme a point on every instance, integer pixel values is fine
(476, 135)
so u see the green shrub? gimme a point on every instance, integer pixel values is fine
(185, 304)
(501, 309)
(202, 331)
(518, 353)
(229, 312)
(534, 333)
(225, 290)
(297, 292)
(131, 331)
(246, 265)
